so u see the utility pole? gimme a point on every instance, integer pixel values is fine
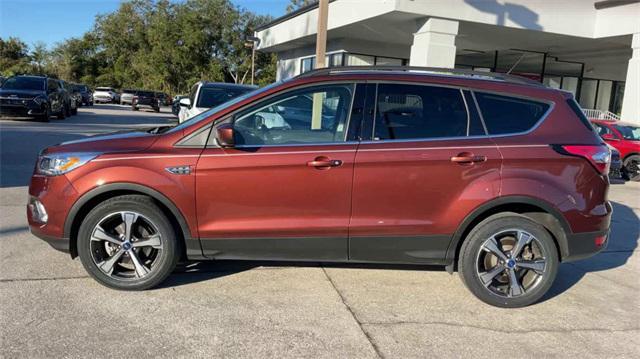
(321, 38)
(252, 43)
(321, 53)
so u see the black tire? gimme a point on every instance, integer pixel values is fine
(74, 111)
(472, 256)
(631, 168)
(134, 108)
(163, 263)
(156, 109)
(46, 116)
(62, 114)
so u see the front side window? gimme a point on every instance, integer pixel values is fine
(419, 112)
(629, 132)
(509, 115)
(307, 116)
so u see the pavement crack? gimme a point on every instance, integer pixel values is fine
(41, 279)
(353, 315)
(516, 331)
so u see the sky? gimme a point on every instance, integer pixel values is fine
(52, 21)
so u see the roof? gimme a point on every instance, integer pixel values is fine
(429, 71)
(227, 85)
(290, 15)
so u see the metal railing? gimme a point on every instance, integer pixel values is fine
(600, 115)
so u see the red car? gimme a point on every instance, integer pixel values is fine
(493, 176)
(625, 137)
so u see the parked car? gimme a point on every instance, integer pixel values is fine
(165, 100)
(175, 107)
(105, 95)
(126, 97)
(86, 94)
(205, 95)
(615, 169)
(145, 99)
(77, 94)
(625, 137)
(353, 181)
(32, 96)
(70, 103)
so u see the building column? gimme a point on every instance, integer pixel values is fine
(631, 100)
(434, 44)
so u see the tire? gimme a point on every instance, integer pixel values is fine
(156, 109)
(74, 111)
(61, 115)
(476, 261)
(631, 168)
(157, 261)
(134, 108)
(46, 116)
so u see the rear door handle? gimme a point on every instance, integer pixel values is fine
(323, 162)
(467, 158)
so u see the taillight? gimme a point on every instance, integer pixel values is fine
(599, 155)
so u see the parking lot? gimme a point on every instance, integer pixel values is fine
(49, 307)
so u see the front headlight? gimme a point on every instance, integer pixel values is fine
(40, 99)
(55, 164)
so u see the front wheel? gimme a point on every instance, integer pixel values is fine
(508, 261)
(631, 168)
(127, 243)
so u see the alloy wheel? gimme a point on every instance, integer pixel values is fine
(126, 245)
(511, 263)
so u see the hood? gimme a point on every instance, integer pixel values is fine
(20, 93)
(126, 141)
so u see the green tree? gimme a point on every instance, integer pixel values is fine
(14, 57)
(297, 4)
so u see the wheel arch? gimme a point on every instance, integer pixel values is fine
(537, 210)
(90, 199)
(629, 155)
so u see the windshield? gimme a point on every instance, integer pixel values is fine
(629, 132)
(206, 114)
(211, 97)
(104, 89)
(24, 83)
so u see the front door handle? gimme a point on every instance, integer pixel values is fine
(323, 162)
(466, 158)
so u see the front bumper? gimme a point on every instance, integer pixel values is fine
(27, 108)
(57, 195)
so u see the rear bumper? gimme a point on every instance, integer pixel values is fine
(585, 245)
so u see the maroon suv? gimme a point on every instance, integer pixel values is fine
(493, 176)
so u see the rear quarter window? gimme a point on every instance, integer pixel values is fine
(508, 115)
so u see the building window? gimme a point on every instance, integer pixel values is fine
(360, 60)
(307, 64)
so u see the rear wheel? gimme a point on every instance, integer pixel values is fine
(508, 261)
(46, 115)
(631, 168)
(127, 243)
(62, 114)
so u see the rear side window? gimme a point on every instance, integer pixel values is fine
(418, 112)
(507, 115)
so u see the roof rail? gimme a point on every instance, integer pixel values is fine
(437, 71)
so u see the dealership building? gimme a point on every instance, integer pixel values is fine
(591, 48)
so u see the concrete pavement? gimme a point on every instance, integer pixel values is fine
(50, 308)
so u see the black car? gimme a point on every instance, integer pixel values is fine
(163, 98)
(32, 96)
(70, 102)
(85, 93)
(145, 99)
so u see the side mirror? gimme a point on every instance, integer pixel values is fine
(609, 137)
(185, 102)
(225, 135)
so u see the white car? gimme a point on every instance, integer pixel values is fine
(105, 95)
(205, 95)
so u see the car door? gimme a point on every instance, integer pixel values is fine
(283, 191)
(428, 163)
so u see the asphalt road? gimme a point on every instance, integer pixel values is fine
(50, 308)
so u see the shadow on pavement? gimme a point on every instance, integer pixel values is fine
(623, 240)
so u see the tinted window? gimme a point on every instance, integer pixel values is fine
(317, 115)
(414, 111)
(212, 97)
(24, 83)
(504, 114)
(52, 84)
(629, 132)
(602, 130)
